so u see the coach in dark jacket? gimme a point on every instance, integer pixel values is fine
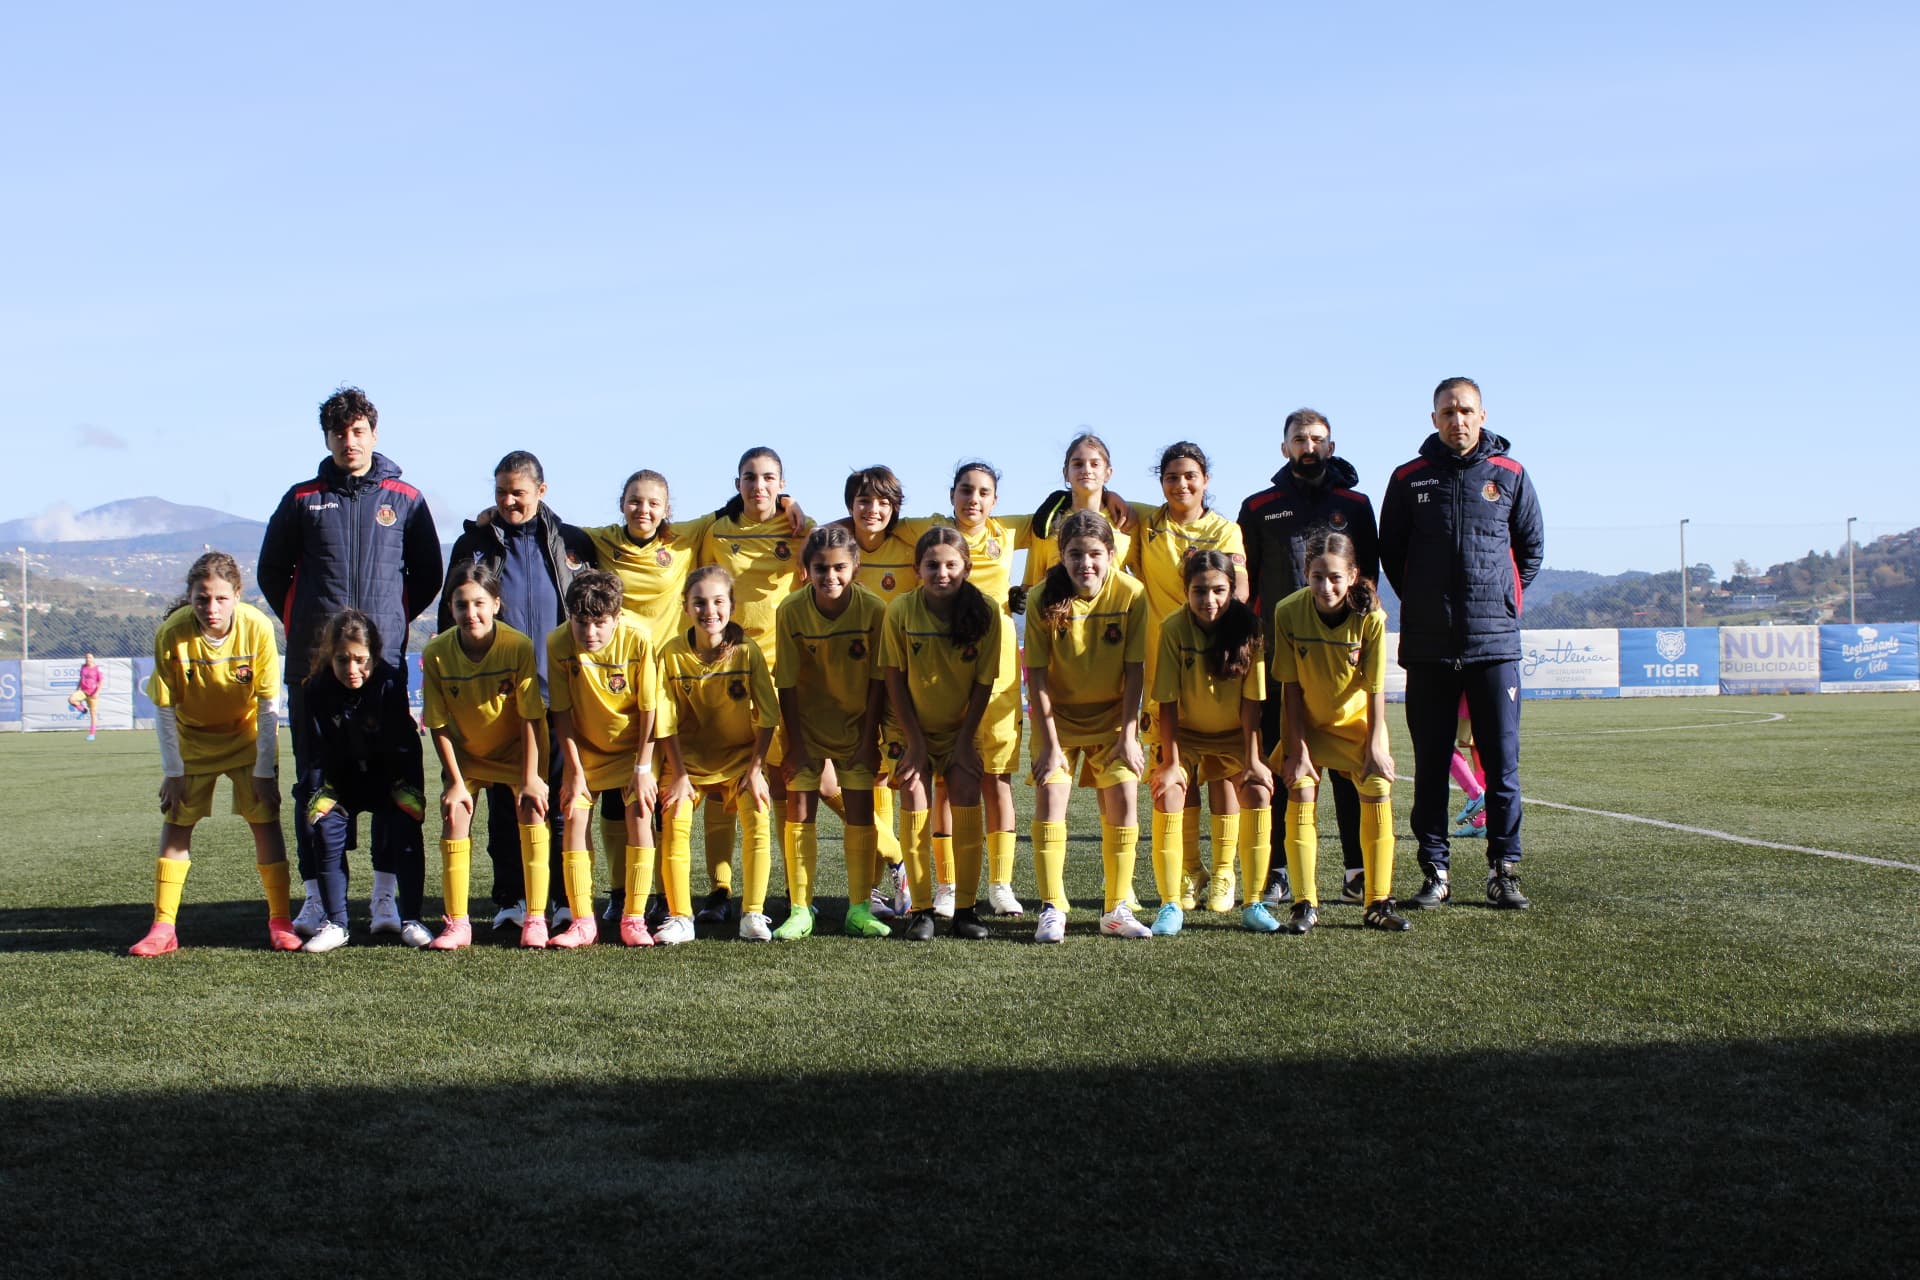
(535, 555)
(1313, 491)
(355, 536)
(1460, 538)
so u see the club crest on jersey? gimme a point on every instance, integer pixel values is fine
(506, 687)
(971, 652)
(857, 650)
(737, 689)
(617, 682)
(1112, 633)
(1490, 491)
(243, 674)
(993, 548)
(664, 558)
(573, 562)
(1353, 656)
(886, 581)
(894, 751)
(1337, 520)
(781, 551)
(385, 517)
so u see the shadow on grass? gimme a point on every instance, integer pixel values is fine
(1742, 1157)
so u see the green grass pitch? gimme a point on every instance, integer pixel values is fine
(1691, 1055)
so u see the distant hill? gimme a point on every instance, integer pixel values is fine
(120, 521)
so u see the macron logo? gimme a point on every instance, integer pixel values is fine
(1279, 515)
(1513, 694)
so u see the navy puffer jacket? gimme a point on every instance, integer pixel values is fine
(340, 541)
(1460, 539)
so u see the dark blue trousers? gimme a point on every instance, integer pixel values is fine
(397, 848)
(1492, 690)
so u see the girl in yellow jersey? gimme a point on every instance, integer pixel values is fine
(481, 688)
(215, 676)
(604, 683)
(653, 552)
(941, 657)
(1329, 656)
(1209, 686)
(718, 711)
(1167, 536)
(1086, 650)
(991, 543)
(1088, 468)
(832, 695)
(758, 545)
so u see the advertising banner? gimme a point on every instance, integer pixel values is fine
(10, 696)
(1770, 659)
(1569, 664)
(1877, 657)
(1669, 662)
(143, 708)
(47, 685)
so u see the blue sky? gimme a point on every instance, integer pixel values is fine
(1676, 245)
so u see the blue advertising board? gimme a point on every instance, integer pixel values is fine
(1669, 662)
(1770, 659)
(143, 708)
(1871, 657)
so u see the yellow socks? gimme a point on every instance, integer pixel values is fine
(943, 858)
(916, 843)
(888, 843)
(1001, 846)
(719, 847)
(535, 842)
(169, 877)
(639, 869)
(802, 849)
(1169, 851)
(756, 857)
(862, 851)
(274, 883)
(456, 864)
(1226, 840)
(969, 845)
(1376, 848)
(1190, 842)
(1303, 847)
(613, 843)
(676, 859)
(1119, 848)
(1050, 861)
(1256, 853)
(577, 875)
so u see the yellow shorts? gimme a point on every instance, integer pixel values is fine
(1211, 757)
(731, 796)
(1092, 766)
(199, 801)
(858, 777)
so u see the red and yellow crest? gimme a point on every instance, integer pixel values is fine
(385, 517)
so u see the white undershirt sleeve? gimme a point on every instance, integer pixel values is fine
(171, 765)
(266, 759)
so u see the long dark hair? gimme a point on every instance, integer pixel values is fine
(972, 613)
(737, 505)
(1056, 592)
(1362, 597)
(1233, 641)
(348, 625)
(1192, 452)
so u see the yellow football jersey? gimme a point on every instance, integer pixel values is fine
(653, 576)
(1161, 548)
(1086, 661)
(829, 664)
(1044, 553)
(888, 570)
(991, 548)
(1209, 704)
(940, 673)
(605, 690)
(716, 708)
(764, 559)
(1337, 668)
(214, 686)
(482, 703)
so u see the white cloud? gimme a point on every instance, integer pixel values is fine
(91, 437)
(60, 523)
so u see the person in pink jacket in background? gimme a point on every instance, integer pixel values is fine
(86, 696)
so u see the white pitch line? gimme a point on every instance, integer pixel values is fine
(1766, 717)
(1726, 835)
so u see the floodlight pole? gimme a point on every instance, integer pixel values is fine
(1683, 573)
(23, 602)
(1850, 610)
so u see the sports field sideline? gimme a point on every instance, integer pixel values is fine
(1697, 1051)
